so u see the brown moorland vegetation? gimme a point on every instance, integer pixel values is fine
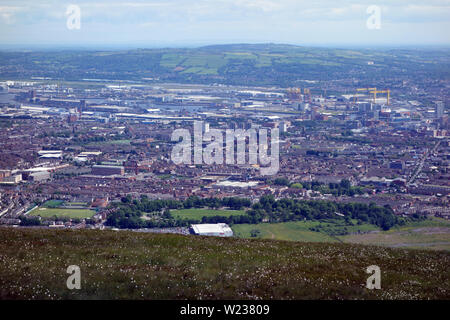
(132, 265)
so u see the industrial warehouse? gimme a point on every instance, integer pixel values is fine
(217, 230)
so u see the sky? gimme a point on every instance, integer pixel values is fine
(181, 23)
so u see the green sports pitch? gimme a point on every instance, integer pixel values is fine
(198, 214)
(68, 213)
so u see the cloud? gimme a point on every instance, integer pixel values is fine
(221, 19)
(209, 10)
(7, 14)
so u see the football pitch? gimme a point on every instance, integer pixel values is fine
(69, 213)
(198, 214)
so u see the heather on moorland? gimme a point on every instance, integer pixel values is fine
(132, 265)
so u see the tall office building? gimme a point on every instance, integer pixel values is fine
(205, 127)
(439, 109)
(376, 115)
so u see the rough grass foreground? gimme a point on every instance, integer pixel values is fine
(130, 265)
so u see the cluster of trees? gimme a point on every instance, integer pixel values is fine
(126, 218)
(62, 134)
(233, 203)
(129, 213)
(54, 204)
(88, 139)
(30, 221)
(284, 210)
(347, 133)
(5, 123)
(281, 181)
(336, 189)
(351, 138)
(325, 154)
(146, 205)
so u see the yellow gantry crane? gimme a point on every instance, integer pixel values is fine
(294, 90)
(373, 91)
(381, 91)
(355, 98)
(366, 89)
(307, 91)
(294, 93)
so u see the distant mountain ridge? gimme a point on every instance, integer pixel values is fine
(239, 64)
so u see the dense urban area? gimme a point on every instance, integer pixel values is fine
(359, 155)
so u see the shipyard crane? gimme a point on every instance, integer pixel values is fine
(374, 92)
(355, 98)
(307, 92)
(294, 93)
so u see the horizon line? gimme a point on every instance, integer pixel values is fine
(193, 45)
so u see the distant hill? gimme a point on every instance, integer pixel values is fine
(131, 265)
(239, 64)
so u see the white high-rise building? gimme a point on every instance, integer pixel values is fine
(205, 127)
(439, 109)
(283, 126)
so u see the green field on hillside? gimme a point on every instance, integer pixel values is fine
(133, 265)
(297, 231)
(429, 234)
(68, 213)
(292, 231)
(239, 64)
(198, 214)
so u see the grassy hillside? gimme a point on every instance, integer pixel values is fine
(432, 233)
(298, 230)
(429, 234)
(131, 265)
(258, 64)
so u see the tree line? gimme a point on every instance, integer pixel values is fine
(128, 213)
(337, 189)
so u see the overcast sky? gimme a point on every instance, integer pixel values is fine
(156, 23)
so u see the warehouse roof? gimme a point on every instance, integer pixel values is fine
(217, 228)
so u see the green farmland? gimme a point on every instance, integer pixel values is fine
(249, 64)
